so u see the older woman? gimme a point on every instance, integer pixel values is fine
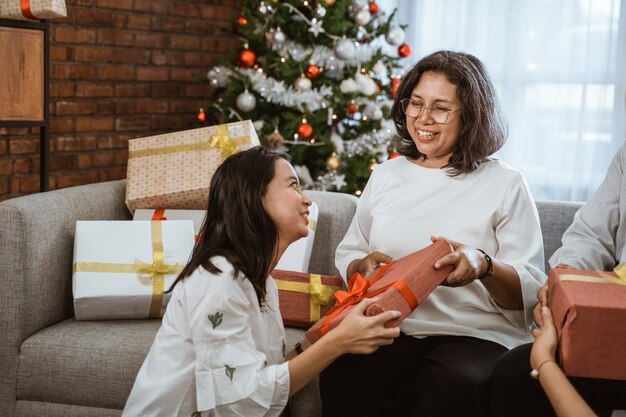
(445, 184)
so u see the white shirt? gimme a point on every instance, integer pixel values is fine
(216, 352)
(404, 204)
(596, 239)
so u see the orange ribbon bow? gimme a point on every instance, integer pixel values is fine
(359, 288)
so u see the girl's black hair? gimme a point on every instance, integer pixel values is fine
(237, 226)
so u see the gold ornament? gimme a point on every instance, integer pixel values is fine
(329, 3)
(332, 162)
(373, 164)
(275, 140)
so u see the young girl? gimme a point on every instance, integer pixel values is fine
(220, 349)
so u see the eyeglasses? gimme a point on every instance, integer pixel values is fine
(438, 113)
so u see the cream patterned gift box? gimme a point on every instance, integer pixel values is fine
(121, 268)
(298, 254)
(174, 170)
(32, 9)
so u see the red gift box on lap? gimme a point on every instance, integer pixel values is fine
(400, 285)
(303, 298)
(589, 311)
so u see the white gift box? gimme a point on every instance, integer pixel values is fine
(196, 216)
(298, 254)
(121, 268)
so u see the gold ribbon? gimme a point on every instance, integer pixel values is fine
(220, 140)
(604, 278)
(319, 293)
(146, 272)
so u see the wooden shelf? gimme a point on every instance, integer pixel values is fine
(24, 82)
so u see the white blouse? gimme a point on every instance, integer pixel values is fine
(216, 354)
(404, 204)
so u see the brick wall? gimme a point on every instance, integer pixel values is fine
(119, 69)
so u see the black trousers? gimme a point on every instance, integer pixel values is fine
(515, 393)
(436, 376)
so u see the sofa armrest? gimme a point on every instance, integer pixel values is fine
(36, 246)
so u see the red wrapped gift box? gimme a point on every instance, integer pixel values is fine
(589, 311)
(303, 298)
(401, 285)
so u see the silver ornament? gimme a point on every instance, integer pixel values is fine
(345, 49)
(262, 8)
(395, 36)
(362, 17)
(321, 11)
(302, 83)
(377, 114)
(246, 101)
(279, 36)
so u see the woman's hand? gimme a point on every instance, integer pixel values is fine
(468, 264)
(544, 347)
(542, 297)
(366, 265)
(360, 334)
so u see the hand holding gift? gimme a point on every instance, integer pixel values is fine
(400, 285)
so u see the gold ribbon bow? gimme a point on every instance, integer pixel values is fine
(220, 140)
(223, 142)
(146, 272)
(319, 293)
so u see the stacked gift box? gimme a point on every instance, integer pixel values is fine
(121, 269)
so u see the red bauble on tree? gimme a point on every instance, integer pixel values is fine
(246, 58)
(201, 116)
(312, 71)
(304, 130)
(373, 7)
(404, 50)
(352, 107)
(242, 21)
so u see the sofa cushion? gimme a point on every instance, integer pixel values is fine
(94, 364)
(88, 363)
(555, 217)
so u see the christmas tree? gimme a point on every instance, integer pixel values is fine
(314, 78)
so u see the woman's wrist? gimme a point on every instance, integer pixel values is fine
(536, 371)
(488, 262)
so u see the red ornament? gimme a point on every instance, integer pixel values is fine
(395, 83)
(312, 71)
(247, 58)
(393, 154)
(373, 7)
(404, 50)
(352, 107)
(242, 21)
(304, 130)
(201, 117)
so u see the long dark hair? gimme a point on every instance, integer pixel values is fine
(237, 226)
(483, 129)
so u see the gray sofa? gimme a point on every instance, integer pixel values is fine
(52, 365)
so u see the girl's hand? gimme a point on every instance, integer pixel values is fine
(468, 264)
(366, 265)
(360, 334)
(546, 339)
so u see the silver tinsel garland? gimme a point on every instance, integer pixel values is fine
(274, 91)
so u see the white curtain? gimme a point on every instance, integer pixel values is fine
(558, 66)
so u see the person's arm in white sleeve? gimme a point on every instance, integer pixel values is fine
(589, 242)
(520, 246)
(232, 377)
